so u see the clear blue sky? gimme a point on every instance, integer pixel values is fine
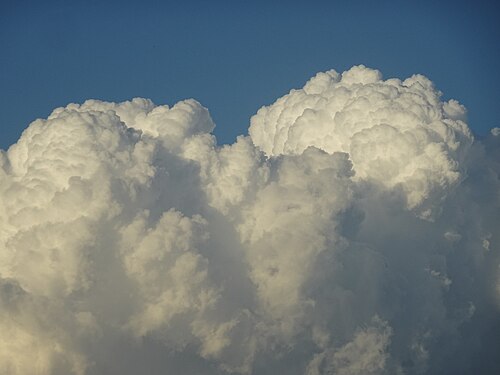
(236, 56)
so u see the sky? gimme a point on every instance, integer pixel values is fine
(352, 229)
(235, 56)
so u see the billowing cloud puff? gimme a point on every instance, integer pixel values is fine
(355, 231)
(397, 133)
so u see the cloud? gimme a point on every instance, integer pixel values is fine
(354, 231)
(397, 133)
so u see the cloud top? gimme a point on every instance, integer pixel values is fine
(397, 133)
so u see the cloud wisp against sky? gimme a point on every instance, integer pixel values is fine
(354, 231)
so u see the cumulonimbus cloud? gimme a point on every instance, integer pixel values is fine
(354, 231)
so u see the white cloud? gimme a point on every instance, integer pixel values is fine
(355, 231)
(397, 133)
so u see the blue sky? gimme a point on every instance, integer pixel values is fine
(236, 56)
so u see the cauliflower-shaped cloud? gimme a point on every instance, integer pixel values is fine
(397, 133)
(355, 231)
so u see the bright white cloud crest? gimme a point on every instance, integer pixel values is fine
(355, 231)
(396, 133)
